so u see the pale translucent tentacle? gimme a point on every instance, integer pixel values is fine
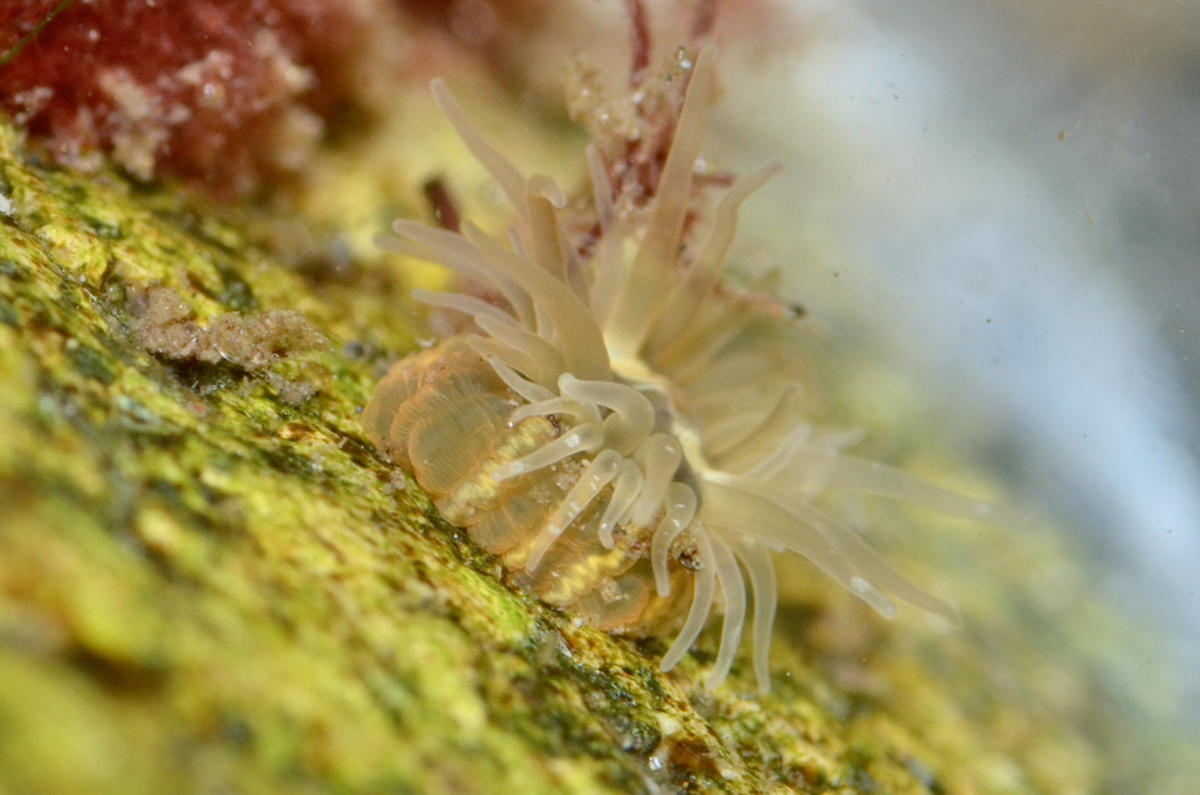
(843, 555)
(733, 588)
(876, 572)
(467, 304)
(514, 240)
(659, 458)
(580, 439)
(761, 439)
(500, 167)
(858, 474)
(779, 458)
(693, 353)
(703, 591)
(456, 253)
(634, 313)
(578, 277)
(761, 570)
(581, 412)
(680, 305)
(579, 337)
(542, 197)
(681, 508)
(728, 509)
(549, 360)
(522, 386)
(602, 197)
(609, 271)
(597, 475)
(517, 359)
(625, 492)
(632, 419)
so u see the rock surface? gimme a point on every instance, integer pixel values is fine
(209, 581)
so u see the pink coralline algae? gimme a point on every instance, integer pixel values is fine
(217, 92)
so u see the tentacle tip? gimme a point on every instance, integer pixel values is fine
(507, 471)
(441, 92)
(534, 561)
(872, 596)
(387, 242)
(949, 618)
(545, 186)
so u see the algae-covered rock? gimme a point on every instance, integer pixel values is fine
(209, 582)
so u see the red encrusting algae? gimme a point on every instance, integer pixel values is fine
(218, 92)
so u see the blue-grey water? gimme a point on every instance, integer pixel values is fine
(1003, 199)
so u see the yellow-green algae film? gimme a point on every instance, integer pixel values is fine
(210, 584)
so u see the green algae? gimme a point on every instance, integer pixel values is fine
(205, 587)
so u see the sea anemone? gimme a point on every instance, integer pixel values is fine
(626, 429)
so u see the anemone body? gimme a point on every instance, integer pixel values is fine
(625, 430)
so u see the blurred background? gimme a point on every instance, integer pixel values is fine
(1007, 198)
(1003, 201)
